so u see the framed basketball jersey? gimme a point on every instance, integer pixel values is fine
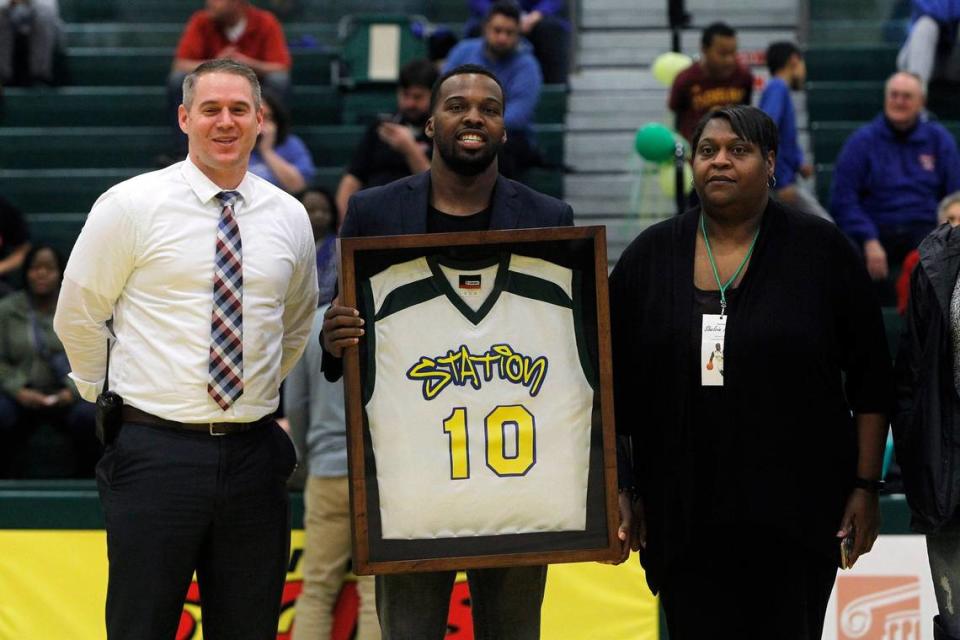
(476, 400)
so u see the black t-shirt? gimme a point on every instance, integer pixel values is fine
(440, 222)
(375, 163)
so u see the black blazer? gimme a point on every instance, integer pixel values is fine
(400, 208)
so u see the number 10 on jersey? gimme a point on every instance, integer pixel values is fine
(510, 437)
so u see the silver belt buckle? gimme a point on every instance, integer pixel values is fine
(216, 431)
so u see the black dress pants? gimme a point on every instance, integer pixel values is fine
(176, 502)
(736, 589)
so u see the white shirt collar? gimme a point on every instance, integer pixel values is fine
(206, 189)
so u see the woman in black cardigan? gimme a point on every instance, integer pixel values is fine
(751, 371)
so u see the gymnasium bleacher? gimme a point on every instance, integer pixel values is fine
(107, 119)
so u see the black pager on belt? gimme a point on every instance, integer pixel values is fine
(109, 409)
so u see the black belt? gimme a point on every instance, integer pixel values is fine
(132, 414)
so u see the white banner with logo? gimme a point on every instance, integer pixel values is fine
(888, 595)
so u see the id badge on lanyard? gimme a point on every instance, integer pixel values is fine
(711, 349)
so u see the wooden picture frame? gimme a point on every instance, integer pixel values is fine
(580, 251)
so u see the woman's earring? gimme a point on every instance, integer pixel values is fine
(773, 181)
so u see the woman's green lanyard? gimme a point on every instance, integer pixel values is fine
(713, 263)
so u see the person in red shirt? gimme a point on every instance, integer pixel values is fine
(717, 80)
(231, 29)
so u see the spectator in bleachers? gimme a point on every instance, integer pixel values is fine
(501, 50)
(14, 244)
(890, 177)
(38, 23)
(395, 146)
(716, 80)
(228, 29)
(314, 408)
(34, 386)
(947, 213)
(543, 24)
(322, 209)
(788, 71)
(280, 157)
(236, 30)
(933, 36)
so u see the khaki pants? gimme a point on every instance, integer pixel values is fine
(325, 557)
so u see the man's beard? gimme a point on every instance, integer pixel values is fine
(467, 165)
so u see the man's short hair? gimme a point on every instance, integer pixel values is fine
(779, 54)
(748, 123)
(716, 29)
(222, 65)
(504, 8)
(462, 70)
(418, 73)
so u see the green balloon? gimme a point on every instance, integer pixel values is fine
(655, 142)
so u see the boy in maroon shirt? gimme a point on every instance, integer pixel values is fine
(715, 81)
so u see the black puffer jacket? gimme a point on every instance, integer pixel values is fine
(926, 428)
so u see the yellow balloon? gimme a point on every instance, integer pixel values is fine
(667, 179)
(667, 65)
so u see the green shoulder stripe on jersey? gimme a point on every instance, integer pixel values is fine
(583, 350)
(408, 295)
(528, 286)
(366, 312)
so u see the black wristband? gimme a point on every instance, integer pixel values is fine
(872, 486)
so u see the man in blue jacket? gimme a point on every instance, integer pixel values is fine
(889, 178)
(500, 50)
(788, 72)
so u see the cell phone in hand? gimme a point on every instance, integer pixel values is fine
(846, 550)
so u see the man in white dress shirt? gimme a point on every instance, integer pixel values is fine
(208, 275)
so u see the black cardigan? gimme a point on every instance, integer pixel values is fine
(805, 346)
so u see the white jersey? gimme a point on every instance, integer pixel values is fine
(478, 397)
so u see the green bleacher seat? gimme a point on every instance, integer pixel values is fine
(850, 100)
(58, 190)
(133, 106)
(167, 34)
(141, 66)
(81, 147)
(848, 9)
(59, 229)
(859, 30)
(862, 100)
(548, 181)
(824, 183)
(330, 11)
(835, 62)
(828, 137)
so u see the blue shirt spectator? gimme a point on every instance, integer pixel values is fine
(776, 102)
(543, 24)
(281, 157)
(888, 178)
(518, 72)
(295, 152)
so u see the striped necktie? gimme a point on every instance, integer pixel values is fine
(225, 380)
